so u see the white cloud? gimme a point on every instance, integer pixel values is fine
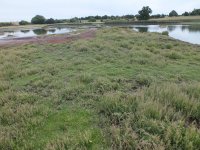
(25, 9)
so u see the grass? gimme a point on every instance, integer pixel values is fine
(119, 90)
(180, 19)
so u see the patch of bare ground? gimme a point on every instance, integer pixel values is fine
(88, 34)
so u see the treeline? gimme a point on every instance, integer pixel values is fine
(143, 14)
(2, 24)
(111, 18)
(195, 12)
(102, 18)
(108, 17)
(38, 19)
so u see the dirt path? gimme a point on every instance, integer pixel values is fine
(62, 38)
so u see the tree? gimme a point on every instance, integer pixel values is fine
(91, 19)
(144, 14)
(186, 14)
(73, 20)
(128, 16)
(50, 21)
(23, 22)
(173, 13)
(195, 12)
(38, 20)
(158, 16)
(104, 17)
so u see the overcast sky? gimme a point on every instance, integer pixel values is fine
(14, 10)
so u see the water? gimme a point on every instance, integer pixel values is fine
(187, 33)
(33, 32)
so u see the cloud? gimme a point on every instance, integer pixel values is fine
(23, 9)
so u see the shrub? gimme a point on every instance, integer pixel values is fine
(38, 20)
(50, 21)
(165, 33)
(174, 55)
(23, 22)
(92, 20)
(143, 80)
(168, 46)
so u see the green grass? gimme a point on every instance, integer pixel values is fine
(188, 19)
(119, 90)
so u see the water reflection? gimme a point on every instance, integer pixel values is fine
(40, 31)
(191, 28)
(52, 30)
(25, 31)
(187, 33)
(9, 31)
(171, 28)
(142, 29)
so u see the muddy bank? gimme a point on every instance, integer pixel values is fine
(62, 38)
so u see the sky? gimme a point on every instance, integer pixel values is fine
(16, 10)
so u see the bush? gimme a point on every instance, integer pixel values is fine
(73, 20)
(38, 20)
(92, 20)
(174, 55)
(50, 21)
(165, 33)
(23, 22)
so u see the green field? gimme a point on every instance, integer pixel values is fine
(195, 19)
(119, 90)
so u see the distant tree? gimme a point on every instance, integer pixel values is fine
(50, 21)
(2, 24)
(186, 14)
(59, 21)
(38, 20)
(158, 16)
(195, 12)
(92, 19)
(97, 17)
(128, 16)
(144, 14)
(23, 22)
(173, 13)
(104, 17)
(73, 20)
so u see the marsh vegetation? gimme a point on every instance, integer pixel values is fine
(119, 90)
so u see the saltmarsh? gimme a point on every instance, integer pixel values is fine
(119, 90)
